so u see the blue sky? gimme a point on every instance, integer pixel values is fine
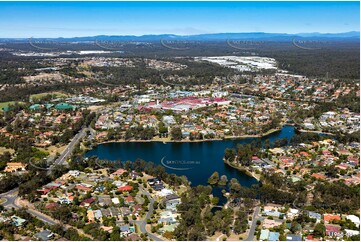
(70, 19)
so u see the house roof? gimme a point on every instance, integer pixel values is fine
(87, 201)
(264, 234)
(133, 237)
(62, 106)
(125, 188)
(84, 188)
(332, 228)
(119, 171)
(129, 199)
(329, 217)
(51, 205)
(44, 235)
(124, 228)
(353, 218)
(274, 236)
(17, 221)
(170, 197)
(318, 176)
(293, 237)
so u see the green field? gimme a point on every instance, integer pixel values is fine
(6, 104)
(55, 94)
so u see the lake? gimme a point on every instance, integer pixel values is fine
(196, 160)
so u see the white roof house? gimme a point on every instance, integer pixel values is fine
(115, 200)
(165, 192)
(354, 219)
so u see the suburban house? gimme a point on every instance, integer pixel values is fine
(14, 166)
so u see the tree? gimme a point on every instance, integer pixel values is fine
(176, 133)
(214, 178)
(115, 234)
(320, 230)
(223, 181)
(229, 154)
(235, 185)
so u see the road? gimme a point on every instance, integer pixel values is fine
(62, 158)
(69, 149)
(13, 201)
(252, 229)
(271, 163)
(92, 134)
(10, 197)
(256, 216)
(143, 223)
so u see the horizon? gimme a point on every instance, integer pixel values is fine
(86, 19)
(131, 35)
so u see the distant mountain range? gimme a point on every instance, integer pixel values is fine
(353, 35)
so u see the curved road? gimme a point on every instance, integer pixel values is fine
(143, 223)
(12, 201)
(10, 197)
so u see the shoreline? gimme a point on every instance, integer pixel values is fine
(242, 169)
(314, 131)
(167, 140)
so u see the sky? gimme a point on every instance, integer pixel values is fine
(76, 19)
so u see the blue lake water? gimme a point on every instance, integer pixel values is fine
(196, 160)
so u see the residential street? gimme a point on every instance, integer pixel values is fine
(143, 223)
(13, 201)
(10, 197)
(252, 229)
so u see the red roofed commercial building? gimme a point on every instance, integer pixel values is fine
(125, 188)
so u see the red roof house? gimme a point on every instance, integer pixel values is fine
(129, 200)
(333, 230)
(330, 217)
(51, 206)
(87, 202)
(119, 172)
(125, 188)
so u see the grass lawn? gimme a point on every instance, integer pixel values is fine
(6, 104)
(53, 149)
(41, 95)
(3, 150)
